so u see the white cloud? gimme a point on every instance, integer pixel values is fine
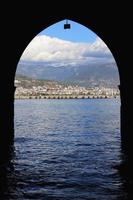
(59, 52)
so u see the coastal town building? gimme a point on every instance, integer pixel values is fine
(61, 91)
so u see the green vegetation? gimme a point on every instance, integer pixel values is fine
(28, 82)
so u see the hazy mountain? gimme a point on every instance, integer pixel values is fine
(87, 75)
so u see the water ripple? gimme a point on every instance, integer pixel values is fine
(65, 150)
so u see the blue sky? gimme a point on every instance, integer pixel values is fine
(57, 46)
(77, 33)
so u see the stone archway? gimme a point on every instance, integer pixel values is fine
(18, 44)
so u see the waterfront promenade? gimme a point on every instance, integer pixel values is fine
(64, 96)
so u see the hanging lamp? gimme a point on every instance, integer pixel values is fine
(66, 25)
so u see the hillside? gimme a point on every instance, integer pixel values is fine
(89, 75)
(28, 82)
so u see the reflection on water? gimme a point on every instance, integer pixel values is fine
(67, 149)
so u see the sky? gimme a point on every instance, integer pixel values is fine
(57, 47)
(77, 33)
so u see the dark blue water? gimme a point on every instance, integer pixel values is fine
(66, 149)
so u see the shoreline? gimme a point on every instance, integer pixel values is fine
(66, 97)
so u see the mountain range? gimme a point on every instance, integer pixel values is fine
(87, 75)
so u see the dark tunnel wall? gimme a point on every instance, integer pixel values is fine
(23, 25)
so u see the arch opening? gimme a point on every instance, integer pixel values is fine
(67, 48)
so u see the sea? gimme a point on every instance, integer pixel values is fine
(66, 150)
